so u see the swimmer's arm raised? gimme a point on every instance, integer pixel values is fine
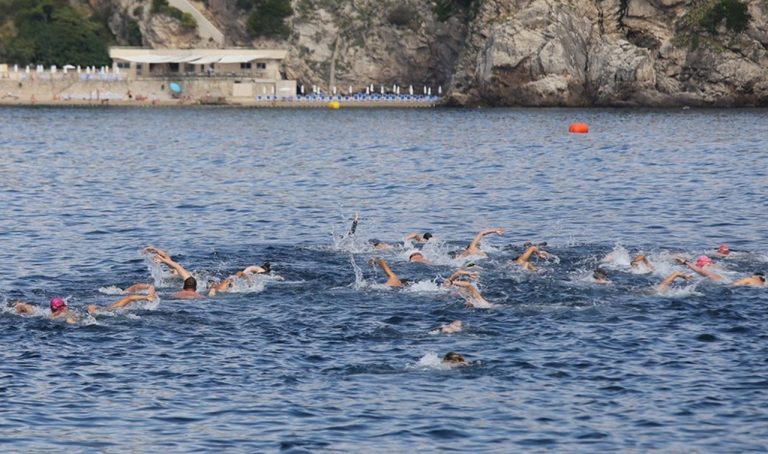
(706, 273)
(175, 266)
(664, 285)
(484, 233)
(392, 279)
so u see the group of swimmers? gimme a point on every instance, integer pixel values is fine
(464, 279)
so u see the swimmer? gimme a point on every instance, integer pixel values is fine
(723, 250)
(471, 294)
(151, 295)
(189, 289)
(226, 284)
(700, 267)
(756, 280)
(667, 282)
(461, 272)
(451, 328)
(418, 238)
(641, 264)
(392, 279)
(353, 228)
(600, 276)
(524, 259)
(454, 359)
(473, 248)
(418, 257)
(58, 310)
(379, 245)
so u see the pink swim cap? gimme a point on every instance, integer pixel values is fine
(57, 304)
(703, 260)
(724, 249)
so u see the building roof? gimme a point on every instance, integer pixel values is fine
(194, 56)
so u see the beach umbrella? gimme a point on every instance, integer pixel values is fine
(367, 90)
(440, 90)
(302, 90)
(15, 68)
(410, 90)
(350, 90)
(382, 89)
(334, 90)
(429, 91)
(176, 88)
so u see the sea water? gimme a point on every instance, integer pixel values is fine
(320, 356)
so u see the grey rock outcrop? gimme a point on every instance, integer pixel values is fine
(609, 53)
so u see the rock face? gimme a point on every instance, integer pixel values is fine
(512, 52)
(610, 53)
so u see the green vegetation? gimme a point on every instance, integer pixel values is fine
(133, 33)
(734, 12)
(445, 9)
(50, 32)
(401, 16)
(162, 7)
(268, 18)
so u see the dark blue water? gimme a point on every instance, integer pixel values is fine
(318, 359)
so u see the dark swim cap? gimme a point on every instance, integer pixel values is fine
(374, 241)
(453, 357)
(427, 236)
(267, 267)
(600, 274)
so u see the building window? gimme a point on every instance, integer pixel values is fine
(189, 68)
(261, 66)
(138, 69)
(245, 65)
(173, 67)
(123, 65)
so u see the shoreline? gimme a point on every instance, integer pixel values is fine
(157, 103)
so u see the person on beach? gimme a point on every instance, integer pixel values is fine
(473, 248)
(133, 297)
(189, 289)
(226, 284)
(667, 282)
(58, 307)
(392, 279)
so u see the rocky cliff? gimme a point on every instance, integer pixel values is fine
(513, 52)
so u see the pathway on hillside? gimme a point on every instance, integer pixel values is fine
(205, 28)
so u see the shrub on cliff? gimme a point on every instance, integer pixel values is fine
(734, 12)
(51, 32)
(445, 9)
(268, 19)
(164, 8)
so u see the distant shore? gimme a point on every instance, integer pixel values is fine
(283, 104)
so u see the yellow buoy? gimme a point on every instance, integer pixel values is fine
(334, 105)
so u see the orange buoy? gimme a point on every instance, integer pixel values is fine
(578, 128)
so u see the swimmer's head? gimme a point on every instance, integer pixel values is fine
(416, 256)
(760, 275)
(427, 236)
(57, 305)
(190, 283)
(266, 266)
(703, 261)
(600, 275)
(374, 242)
(724, 249)
(454, 358)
